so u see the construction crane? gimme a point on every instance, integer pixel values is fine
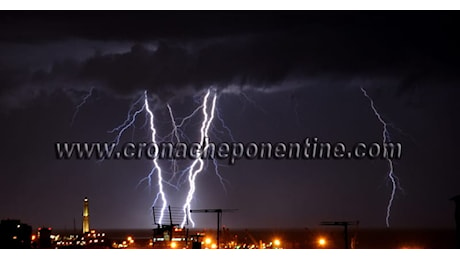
(219, 218)
(345, 225)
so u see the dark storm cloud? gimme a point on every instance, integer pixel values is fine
(182, 52)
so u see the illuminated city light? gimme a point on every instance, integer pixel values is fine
(322, 241)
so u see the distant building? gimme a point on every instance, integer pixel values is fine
(93, 239)
(44, 237)
(86, 216)
(14, 234)
(169, 236)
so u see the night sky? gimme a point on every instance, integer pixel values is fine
(281, 76)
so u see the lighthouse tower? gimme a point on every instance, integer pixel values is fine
(85, 216)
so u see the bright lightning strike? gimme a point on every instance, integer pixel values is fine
(189, 174)
(198, 164)
(386, 139)
(161, 193)
(129, 122)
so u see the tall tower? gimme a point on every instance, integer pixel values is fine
(85, 216)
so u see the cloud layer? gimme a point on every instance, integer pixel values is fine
(262, 51)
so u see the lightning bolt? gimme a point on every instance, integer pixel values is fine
(178, 128)
(177, 133)
(188, 174)
(174, 134)
(198, 164)
(133, 113)
(173, 121)
(219, 116)
(129, 121)
(83, 101)
(386, 138)
(161, 195)
(222, 180)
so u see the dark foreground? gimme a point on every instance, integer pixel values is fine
(310, 239)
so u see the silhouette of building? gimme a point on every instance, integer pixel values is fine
(14, 234)
(44, 237)
(456, 199)
(86, 216)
